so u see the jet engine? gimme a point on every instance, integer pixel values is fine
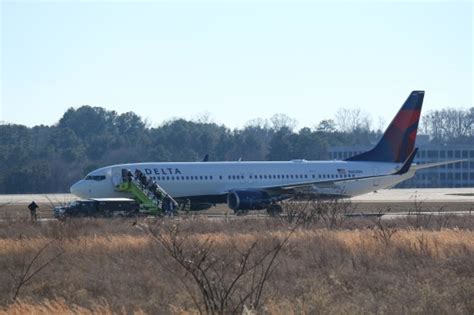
(248, 200)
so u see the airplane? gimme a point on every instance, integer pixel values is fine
(262, 185)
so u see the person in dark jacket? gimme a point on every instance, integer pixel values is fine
(129, 176)
(137, 174)
(166, 205)
(33, 207)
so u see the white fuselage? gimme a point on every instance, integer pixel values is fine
(194, 179)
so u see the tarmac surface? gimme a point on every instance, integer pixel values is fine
(395, 203)
(384, 195)
(431, 195)
(38, 198)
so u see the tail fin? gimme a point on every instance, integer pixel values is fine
(398, 141)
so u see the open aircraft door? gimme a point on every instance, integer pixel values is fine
(116, 176)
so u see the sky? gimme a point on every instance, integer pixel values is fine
(233, 61)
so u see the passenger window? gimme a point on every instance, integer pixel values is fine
(210, 177)
(200, 177)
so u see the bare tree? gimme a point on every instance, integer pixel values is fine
(416, 217)
(227, 278)
(334, 212)
(306, 213)
(449, 124)
(30, 267)
(258, 122)
(303, 213)
(349, 120)
(384, 230)
(281, 120)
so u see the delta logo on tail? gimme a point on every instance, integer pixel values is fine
(398, 141)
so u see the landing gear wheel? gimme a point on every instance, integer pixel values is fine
(274, 210)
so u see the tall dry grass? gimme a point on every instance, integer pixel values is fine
(60, 307)
(112, 266)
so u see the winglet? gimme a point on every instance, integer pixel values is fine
(406, 166)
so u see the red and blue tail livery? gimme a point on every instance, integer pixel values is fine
(398, 141)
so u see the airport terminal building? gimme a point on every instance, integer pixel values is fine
(452, 175)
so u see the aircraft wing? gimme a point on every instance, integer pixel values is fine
(325, 184)
(322, 184)
(407, 166)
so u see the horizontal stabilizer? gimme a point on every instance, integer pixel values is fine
(428, 165)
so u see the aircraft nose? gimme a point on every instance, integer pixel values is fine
(76, 189)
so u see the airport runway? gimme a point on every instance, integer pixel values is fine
(398, 202)
(262, 215)
(444, 195)
(38, 198)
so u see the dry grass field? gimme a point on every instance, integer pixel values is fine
(245, 265)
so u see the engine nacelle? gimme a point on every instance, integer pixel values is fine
(248, 200)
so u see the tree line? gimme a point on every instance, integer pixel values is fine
(45, 159)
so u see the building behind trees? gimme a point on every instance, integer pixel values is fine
(459, 174)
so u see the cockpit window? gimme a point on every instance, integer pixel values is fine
(95, 177)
